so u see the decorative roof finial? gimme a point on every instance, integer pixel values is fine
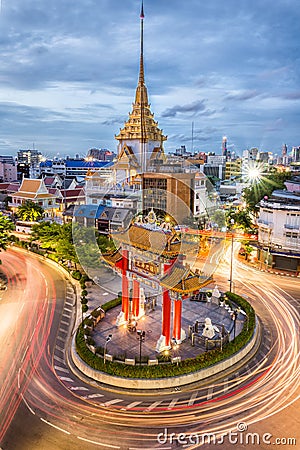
(142, 76)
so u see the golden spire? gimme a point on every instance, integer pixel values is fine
(141, 124)
(142, 76)
(141, 96)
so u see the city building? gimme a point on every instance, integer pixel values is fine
(296, 154)
(170, 193)
(250, 154)
(96, 154)
(87, 215)
(279, 228)
(224, 148)
(6, 190)
(30, 161)
(76, 167)
(8, 169)
(52, 167)
(215, 166)
(233, 169)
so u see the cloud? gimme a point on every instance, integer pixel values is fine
(242, 96)
(290, 96)
(194, 107)
(74, 65)
(116, 121)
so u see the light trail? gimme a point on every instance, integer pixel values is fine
(13, 387)
(271, 385)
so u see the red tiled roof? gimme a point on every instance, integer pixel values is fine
(49, 180)
(54, 191)
(66, 193)
(9, 187)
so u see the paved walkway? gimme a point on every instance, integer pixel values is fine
(125, 344)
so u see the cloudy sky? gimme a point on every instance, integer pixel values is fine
(69, 69)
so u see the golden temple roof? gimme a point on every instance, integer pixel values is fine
(153, 240)
(141, 124)
(112, 259)
(183, 280)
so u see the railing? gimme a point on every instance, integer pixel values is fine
(291, 227)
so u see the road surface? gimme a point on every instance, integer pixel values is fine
(63, 412)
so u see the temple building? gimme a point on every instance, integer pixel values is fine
(140, 140)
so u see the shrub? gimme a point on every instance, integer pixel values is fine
(90, 341)
(96, 313)
(84, 308)
(84, 293)
(76, 274)
(84, 300)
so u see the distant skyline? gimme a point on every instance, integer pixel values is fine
(68, 73)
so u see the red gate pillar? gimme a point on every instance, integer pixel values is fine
(166, 317)
(125, 286)
(136, 298)
(177, 320)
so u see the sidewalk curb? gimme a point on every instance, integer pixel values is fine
(136, 384)
(271, 271)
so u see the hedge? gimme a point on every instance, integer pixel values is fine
(112, 303)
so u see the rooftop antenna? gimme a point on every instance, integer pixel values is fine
(192, 137)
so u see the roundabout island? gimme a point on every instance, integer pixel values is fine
(170, 325)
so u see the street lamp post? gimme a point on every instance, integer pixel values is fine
(231, 256)
(108, 339)
(175, 348)
(141, 337)
(234, 317)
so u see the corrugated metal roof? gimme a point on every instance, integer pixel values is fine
(88, 211)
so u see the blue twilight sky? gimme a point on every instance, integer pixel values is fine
(69, 69)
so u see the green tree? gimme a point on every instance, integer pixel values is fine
(46, 234)
(55, 237)
(218, 217)
(6, 226)
(65, 247)
(242, 219)
(105, 244)
(30, 211)
(274, 179)
(248, 250)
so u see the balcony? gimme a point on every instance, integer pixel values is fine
(288, 226)
(265, 224)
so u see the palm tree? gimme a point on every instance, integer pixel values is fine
(30, 211)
